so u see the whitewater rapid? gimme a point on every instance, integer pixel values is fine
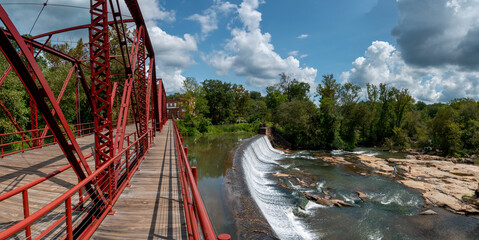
(258, 161)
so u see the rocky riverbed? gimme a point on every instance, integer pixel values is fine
(443, 182)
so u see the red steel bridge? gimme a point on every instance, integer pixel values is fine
(64, 180)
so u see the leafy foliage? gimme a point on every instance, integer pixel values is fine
(387, 116)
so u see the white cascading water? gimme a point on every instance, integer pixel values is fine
(259, 160)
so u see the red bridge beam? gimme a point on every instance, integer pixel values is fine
(101, 83)
(41, 94)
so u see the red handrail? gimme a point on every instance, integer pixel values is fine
(36, 182)
(193, 209)
(80, 130)
(66, 197)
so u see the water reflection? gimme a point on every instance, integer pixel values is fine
(212, 156)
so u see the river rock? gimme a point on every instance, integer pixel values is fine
(282, 184)
(412, 151)
(281, 175)
(442, 182)
(303, 179)
(317, 198)
(335, 160)
(311, 196)
(362, 196)
(428, 212)
(326, 195)
(340, 203)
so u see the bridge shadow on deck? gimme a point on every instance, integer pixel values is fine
(152, 207)
(39, 169)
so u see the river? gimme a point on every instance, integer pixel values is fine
(391, 211)
(209, 154)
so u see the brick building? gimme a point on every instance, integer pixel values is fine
(175, 108)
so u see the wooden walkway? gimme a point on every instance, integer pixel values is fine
(150, 209)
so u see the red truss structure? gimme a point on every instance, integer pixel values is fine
(116, 156)
(131, 94)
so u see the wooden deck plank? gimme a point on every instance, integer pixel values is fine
(137, 202)
(152, 207)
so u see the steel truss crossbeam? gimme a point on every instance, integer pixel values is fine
(138, 89)
(43, 96)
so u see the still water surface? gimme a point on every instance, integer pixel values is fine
(209, 154)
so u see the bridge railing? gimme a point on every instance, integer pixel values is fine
(195, 210)
(84, 206)
(16, 142)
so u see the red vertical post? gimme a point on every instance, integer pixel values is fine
(23, 139)
(80, 197)
(127, 157)
(101, 83)
(68, 208)
(26, 213)
(109, 184)
(160, 103)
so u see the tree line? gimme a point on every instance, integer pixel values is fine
(17, 100)
(336, 115)
(333, 116)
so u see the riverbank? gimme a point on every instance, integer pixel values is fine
(442, 182)
(192, 130)
(249, 220)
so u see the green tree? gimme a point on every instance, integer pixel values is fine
(292, 88)
(298, 123)
(220, 97)
(241, 101)
(274, 98)
(255, 95)
(328, 93)
(446, 132)
(257, 111)
(401, 104)
(351, 115)
(385, 123)
(370, 136)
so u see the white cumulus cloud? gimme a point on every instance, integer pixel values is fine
(209, 19)
(383, 63)
(249, 53)
(437, 57)
(173, 54)
(153, 11)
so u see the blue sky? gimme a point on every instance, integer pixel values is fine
(338, 31)
(430, 47)
(426, 46)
